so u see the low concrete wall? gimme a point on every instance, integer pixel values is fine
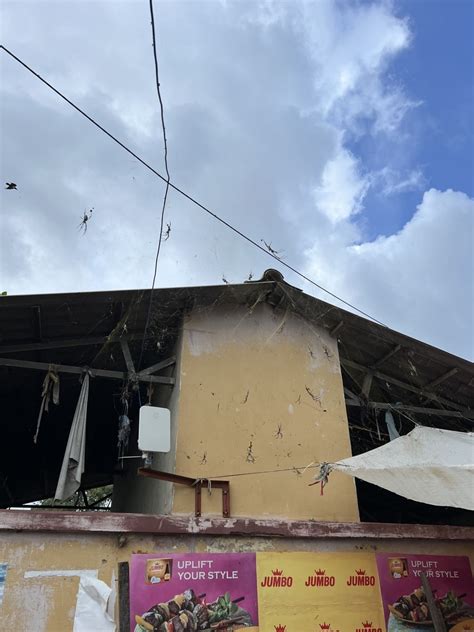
(46, 553)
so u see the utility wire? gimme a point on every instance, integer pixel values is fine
(167, 188)
(186, 195)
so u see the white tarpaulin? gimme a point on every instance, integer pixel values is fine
(73, 462)
(427, 465)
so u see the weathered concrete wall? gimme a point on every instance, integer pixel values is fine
(261, 390)
(47, 604)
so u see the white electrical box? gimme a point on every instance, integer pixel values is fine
(154, 429)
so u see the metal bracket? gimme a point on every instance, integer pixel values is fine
(197, 483)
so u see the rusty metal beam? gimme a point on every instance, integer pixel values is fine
(110, 522)
(196, 483)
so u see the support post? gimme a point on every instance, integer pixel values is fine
(436, 616)
(123, 597)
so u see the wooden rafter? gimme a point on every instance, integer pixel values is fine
(159, 365)
(64, 343)
(367, 384)
(336, 328)
(63, 368)
(388, 355)
(469, 414)
(403, 385)
(441, 378)
(127, 356)
(351, 397)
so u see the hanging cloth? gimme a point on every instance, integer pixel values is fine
(73, 461)
(391, 429)
(50, 389)
(427, 465)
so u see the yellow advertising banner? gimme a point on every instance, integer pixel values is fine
(317, 592)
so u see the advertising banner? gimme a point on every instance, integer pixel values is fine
(297, 592)
(317, 592)
(194, 591)
(405, 606)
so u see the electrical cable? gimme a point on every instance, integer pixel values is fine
(165, 197)
(186, 195)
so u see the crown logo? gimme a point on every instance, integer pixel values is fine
(280, 628)
(277, 572)
(319, 571)
(325, 626)
(360, 572)
(366, 624)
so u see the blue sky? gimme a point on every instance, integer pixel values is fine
(435, 70)
(339, 131)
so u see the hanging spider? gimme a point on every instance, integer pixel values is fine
(272, 251)
(83, 225)
(166, 236)
(224, 279)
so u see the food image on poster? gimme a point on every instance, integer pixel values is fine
(405, 604)
(193, 592)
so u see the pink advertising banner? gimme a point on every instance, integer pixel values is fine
(404, 601)
(187, 592)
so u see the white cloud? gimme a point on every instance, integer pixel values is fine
(420, 280)
(393, 182)
(260, 99)
(342, 189)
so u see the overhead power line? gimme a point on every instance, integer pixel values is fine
(186, 195)
(167, 188)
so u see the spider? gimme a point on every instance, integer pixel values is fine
(166, 236)
(272, 251)
(83, 225)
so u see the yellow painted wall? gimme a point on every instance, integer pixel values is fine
(261, 390)
(47, 604)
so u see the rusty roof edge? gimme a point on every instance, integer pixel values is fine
(109, 523)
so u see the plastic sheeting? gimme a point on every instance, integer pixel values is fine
(73, 462)
(428, 465)
(94, 607)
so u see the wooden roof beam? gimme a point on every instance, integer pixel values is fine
(63, 368)
(336, 328)
(469, 414)
(64, 343)
(127, 356)
(403, 385)
(159, 365)
(388, 355)
(441, 378)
